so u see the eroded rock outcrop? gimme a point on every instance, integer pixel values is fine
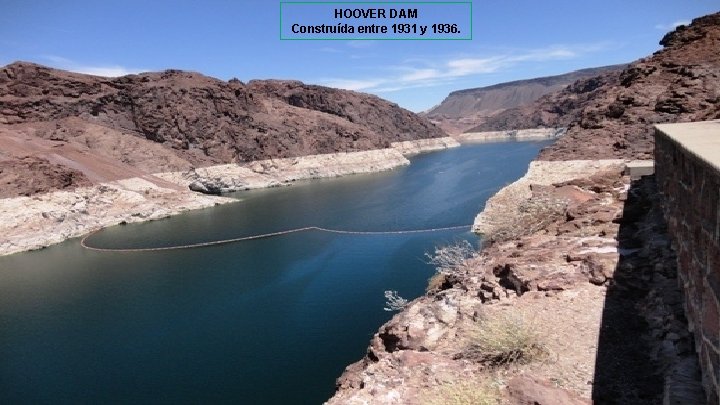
(32, 175)
(505, 206)
(465, 109)
(612, 115)
(209, 121)
(597, 283)
(279, 172)
(575, 248)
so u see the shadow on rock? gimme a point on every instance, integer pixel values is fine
(645, 353)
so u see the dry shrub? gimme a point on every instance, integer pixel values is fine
(533, 215)
(463, 392)
(394, 302)
(451, 259)
(504, 338)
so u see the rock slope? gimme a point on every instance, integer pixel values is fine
(175, 120)
(35, 222)
(597, 285)
(465, 109)
(33, 175)
(506, 203)
(612, 115)
(279, 172)
(80, 152)
(575, 250)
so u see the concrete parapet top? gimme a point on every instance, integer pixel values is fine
(638, 168)
(700, 138)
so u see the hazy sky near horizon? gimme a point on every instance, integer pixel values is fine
(512, 40)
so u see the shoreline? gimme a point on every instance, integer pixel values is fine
(283, 172)
(558, 275)
(504, 204)
(36, 222)
(39, 221)
(536, 134)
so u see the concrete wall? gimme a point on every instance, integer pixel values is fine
(687, 169)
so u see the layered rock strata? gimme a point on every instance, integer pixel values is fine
(278, 172)
(512, 135)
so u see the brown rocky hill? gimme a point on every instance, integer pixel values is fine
(612, 115)
(464, 109)
(557, 109)
(174, 120)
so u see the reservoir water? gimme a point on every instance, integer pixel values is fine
(271, 321)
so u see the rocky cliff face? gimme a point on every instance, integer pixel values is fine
(611, 116)
(596, 282)
(465, 109)
(554, 110)
(194, 119)
(576, 249)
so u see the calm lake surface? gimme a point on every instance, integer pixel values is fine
(271, 321)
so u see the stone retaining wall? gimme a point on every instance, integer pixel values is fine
(687, 167)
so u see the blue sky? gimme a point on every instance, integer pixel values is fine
(224, 39)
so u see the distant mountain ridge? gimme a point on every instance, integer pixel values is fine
(612, 115)
(467, 108)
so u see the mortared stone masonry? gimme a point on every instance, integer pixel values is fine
(687, 169)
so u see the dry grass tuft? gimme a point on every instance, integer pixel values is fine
(463, 392)
(436, 283)
(533, 215)
(504, 338)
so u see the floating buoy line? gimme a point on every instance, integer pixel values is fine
(85, 245)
